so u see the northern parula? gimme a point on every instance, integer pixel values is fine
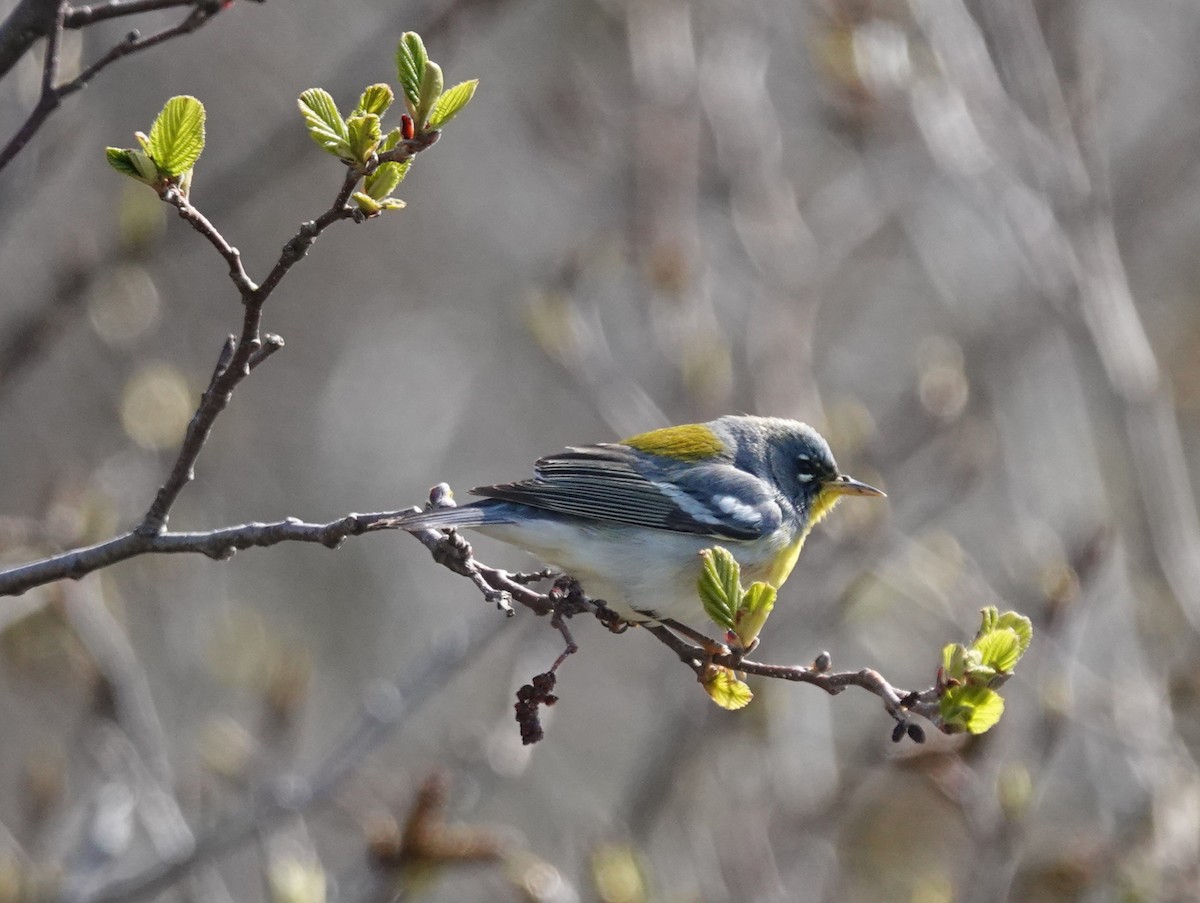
(629, 519)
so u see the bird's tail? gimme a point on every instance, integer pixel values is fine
(476, 514)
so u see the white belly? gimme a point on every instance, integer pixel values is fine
(638, 570)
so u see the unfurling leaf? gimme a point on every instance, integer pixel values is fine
(757, 603)
(372, 207)
(177, 137)
(364, 135)
(185, 183)
(971, 708)
(375, 99)
(720, 587)
(325, 123)
(451, 102)
(1019, 624)
(999, 649)
(122, 161)
(726, 690)
(431, 90)
(955, 660)
(366, 203)
(383, 181)
(390, 140)
(410, 67)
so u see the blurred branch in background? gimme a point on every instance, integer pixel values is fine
(385, 705)
(30, 20)
(32, 334)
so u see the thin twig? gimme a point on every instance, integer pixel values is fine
(298, 245)
(249, 345)
(82, 16)
(897, 702)
(220, 545)
(51, 97)
(239, 356)
(237, 272)
(28, 21)
(53, 43)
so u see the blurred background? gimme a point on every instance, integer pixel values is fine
(958, 238)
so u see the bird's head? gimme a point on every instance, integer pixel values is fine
(801, 464)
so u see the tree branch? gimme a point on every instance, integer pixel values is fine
(238, 358)
(198, 221)
(247, 350)
(51, 97)
(82, 16)
(29, 20)
(220, 545)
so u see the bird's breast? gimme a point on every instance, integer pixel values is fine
(781, 568)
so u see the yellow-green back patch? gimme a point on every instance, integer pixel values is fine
(693, 442)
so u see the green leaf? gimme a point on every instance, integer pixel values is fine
(410, 67)
(726, 690)
(757, 603)
(372, 207)
(390, 140)
(451, 102)
(366, 203)
(987, 617)
(325, 123)
(364, 136)
(1019, 624)
(720, 586)
(974, 709)
(122, 161)
(375, 99)
(978, 674)
(431, 90)
(999, 649)
(955, 659)
(177, 136)
(383, 181)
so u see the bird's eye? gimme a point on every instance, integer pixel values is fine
(808, 469)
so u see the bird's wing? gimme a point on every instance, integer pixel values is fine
(606, 483)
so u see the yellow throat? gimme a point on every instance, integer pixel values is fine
(786, 560)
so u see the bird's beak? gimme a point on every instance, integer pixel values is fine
(845, 485)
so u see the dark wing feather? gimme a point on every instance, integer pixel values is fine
(607, 483)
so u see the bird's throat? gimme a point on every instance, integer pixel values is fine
(786, 560)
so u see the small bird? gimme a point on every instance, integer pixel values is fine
(629, 519)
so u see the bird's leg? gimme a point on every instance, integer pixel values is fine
(567, 596)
